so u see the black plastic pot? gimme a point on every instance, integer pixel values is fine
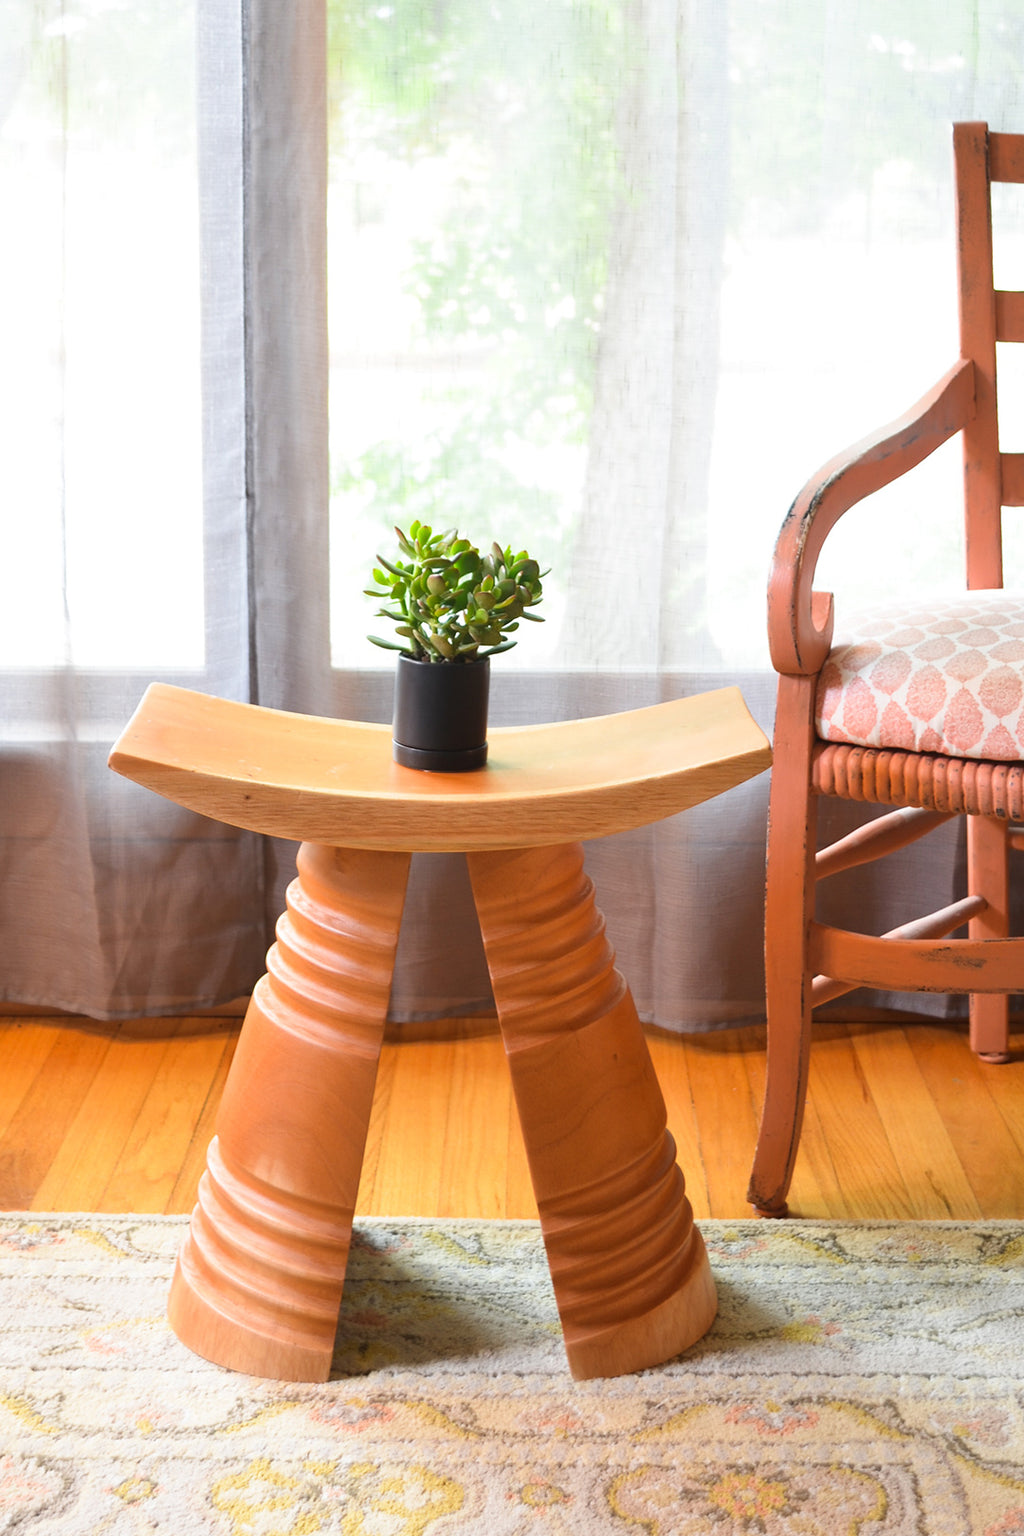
(440, 719)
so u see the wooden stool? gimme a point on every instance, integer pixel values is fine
(259, 1279)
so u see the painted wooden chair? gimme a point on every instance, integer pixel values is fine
(919, 709)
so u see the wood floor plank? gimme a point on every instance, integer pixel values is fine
(408, 1181)
(725, 1118)
(114, 1120)
(962, 1088)
(930, 1168)
(145, 1174)
(183, 1196)
(868, 1172)
(1006, 1085)
(815, 1193)
(476, 1131)
(36, 1130)
(669, 1056)
(24, 1047)
(98, 1134)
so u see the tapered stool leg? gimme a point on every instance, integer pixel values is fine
(259, 1279)
(629, 1268)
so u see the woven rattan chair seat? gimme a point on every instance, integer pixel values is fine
(962, 786)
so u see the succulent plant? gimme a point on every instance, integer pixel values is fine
(450, 603)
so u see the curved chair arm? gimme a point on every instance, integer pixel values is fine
(799, 619)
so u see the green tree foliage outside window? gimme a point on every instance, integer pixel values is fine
(513, 103)
(511, 116)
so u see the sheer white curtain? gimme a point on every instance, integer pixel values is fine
(605, 279)
(619, 277)
(122, 494)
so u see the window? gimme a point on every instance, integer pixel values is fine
(100, 475)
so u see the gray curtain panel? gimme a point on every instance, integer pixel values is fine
(126, 370)
(617, 275)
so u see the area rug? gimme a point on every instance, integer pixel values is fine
(861, 1378)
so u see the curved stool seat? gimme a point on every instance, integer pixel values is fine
(332, 781)
(259, 1280)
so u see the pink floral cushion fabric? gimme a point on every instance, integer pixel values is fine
(946, 676)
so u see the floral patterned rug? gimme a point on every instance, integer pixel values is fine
(861, 1378)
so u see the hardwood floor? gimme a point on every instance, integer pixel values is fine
(902, 1121)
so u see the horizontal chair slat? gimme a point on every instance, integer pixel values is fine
(877, 838)
(936, 965)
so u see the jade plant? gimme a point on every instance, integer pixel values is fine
(450, 603)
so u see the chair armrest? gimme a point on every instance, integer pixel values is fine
(799, 619)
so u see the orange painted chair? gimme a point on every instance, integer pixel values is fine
(920, 709)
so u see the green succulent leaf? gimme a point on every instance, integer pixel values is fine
(443, 646)
(449, 602)
(389, 645)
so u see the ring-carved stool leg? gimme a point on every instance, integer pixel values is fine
(259, 1279)
(629, 1268)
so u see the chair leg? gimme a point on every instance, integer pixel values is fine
(629, 1268)
(988, 875)
(259, 1278)
(789, 904)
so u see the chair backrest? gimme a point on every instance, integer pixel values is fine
(992, 480)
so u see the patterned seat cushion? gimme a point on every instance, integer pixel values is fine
(944, 676)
